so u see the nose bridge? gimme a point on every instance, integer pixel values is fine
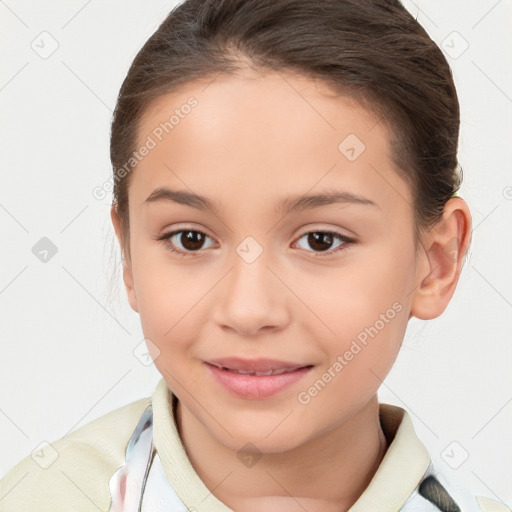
(250, 267)
(249, 280)
(251, 298)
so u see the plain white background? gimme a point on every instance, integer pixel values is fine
(67, 345)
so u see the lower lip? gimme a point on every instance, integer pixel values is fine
(255, 387)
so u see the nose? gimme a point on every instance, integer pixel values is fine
(252, 298)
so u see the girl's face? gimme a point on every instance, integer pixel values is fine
(322, 283)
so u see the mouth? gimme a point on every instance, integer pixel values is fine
(256, 378)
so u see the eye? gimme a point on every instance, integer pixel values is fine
(322, 241)
(188, 242)
(191, 241)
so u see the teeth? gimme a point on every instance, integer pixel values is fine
(283, 370)
(268, 372)
(243, 372)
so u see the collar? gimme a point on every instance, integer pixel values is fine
(402, 468)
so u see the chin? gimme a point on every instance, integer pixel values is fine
(262, 438)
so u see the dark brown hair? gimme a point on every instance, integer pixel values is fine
(373, 50)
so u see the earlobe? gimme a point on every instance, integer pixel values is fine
(444, 247)
(127, 267)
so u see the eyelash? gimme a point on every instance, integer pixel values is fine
(172, 248)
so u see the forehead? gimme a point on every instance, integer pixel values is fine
(257, 134)
(258, 104)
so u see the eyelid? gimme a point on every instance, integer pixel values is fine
(185, 227)
(315, 227)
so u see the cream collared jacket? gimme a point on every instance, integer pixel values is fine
(132, 460)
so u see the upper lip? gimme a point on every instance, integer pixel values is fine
(254, 365)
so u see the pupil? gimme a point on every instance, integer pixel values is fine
(192, 240)
(316, 240)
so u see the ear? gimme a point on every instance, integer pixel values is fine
(444, 247)
(127, 266)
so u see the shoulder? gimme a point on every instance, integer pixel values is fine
(72, 473)
(449, 493)
(407, 458)
(490, 505)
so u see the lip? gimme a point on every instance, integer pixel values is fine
(256, 386)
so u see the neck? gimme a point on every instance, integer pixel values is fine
(326, 473)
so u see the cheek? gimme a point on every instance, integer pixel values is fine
(364, 309)
(345, 300)
(357, 358)
(169, 299)
(365, 328)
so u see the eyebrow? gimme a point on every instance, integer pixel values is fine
(285, 206)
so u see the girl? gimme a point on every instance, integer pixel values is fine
(290, 168)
